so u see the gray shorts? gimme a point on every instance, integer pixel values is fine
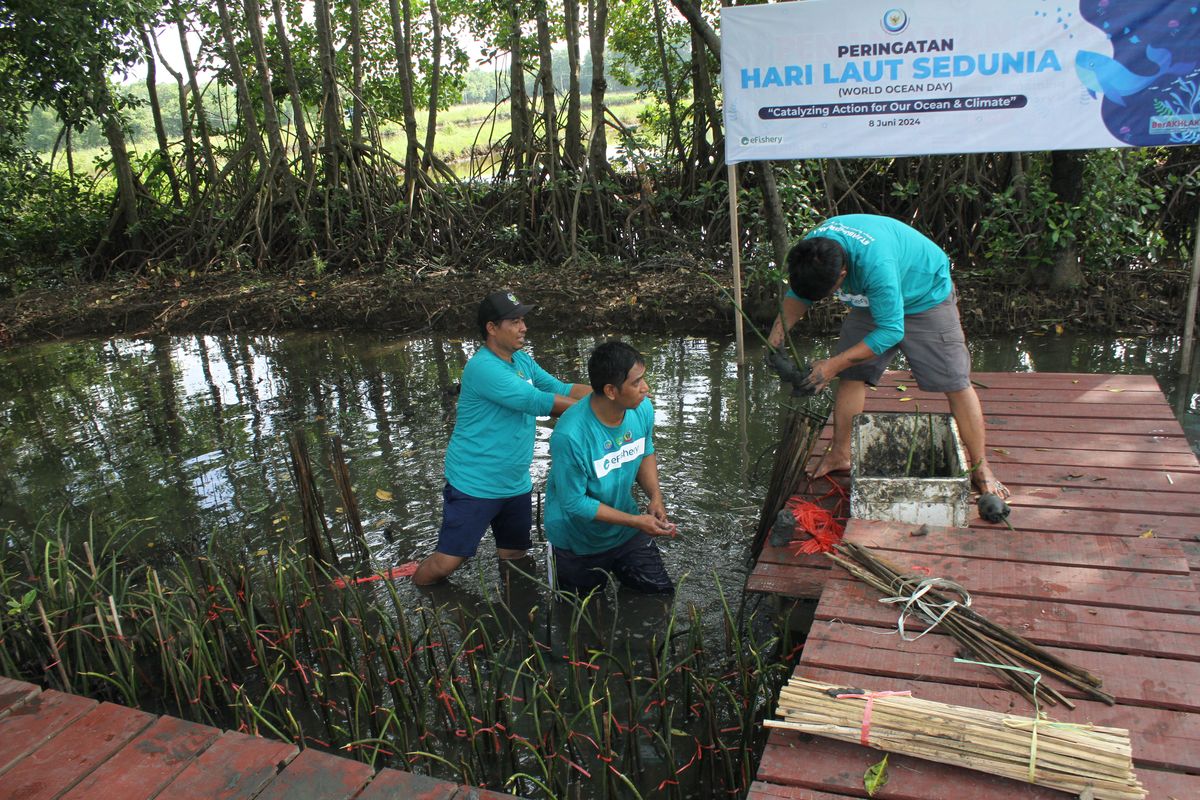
(933, 343)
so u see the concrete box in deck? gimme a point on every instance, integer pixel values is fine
(909, 467)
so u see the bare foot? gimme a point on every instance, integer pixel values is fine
(986, 482)
(832, 461)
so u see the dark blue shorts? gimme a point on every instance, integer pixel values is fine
(637, 564)
(465, 518)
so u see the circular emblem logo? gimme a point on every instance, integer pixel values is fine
(628, 436)
(608, 444)
(894, 21)
(745, 140)
(512, 298)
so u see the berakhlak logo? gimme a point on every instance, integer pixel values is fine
(894, 21)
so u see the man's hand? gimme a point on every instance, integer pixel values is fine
(654, 525)
(821, 373)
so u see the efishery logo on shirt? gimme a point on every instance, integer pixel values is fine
(629, 451)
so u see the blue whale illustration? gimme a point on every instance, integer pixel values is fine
(1106, 76)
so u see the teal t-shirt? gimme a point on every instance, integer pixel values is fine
(492, 445)
(590, 464)
(893, 270)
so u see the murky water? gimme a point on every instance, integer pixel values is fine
(183, 439)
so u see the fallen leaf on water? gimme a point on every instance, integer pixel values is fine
(1058, 328)
(262, 552)
(383, 495)
(339, 510)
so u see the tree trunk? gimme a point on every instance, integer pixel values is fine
(241, 86)
(573, 145)
(668, 85)
(1066, 181)
(546, 77)
(210, 161)
(691, 12)
(435, 83)
(597, 27)
(776, 221)
(278, 155)
(164, 147)
(289, 70)
(331, 104)
(185, 123)
(401, 38)
(356, 73)
(518, 98)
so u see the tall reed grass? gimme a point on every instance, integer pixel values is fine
(567, 706)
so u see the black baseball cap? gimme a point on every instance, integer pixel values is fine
(502, 305)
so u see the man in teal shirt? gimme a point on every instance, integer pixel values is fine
(897, 284)
(598, 450)
(490, 451)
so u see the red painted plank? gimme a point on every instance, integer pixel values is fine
(314, 775)
(1120, 443)
(1085, 414)
(235, 767)
(1132, 680)
(33, 723)
(60, 763)
(148, 763)
(394, 784)
(1101, 499)
(1031, 519)
(1000, 544)
(1117, 630)
(1160, 738)
(1169, 785)
(760, 790)
(1041, 380)
(1110, 478)
(13, 693)
(1168, 457)
(787, 581)
(475, 793)
(833, 766)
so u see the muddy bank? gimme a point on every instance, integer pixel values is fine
(673, 295)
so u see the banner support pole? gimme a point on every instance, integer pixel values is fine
(1189, 316)
(735, 242)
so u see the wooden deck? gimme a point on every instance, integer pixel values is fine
(55, 745)
(1101, 568)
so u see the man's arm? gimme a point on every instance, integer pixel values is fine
(647, 478)
(564, 401)
(792, 311)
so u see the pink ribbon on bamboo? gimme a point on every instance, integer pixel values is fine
(870, 697)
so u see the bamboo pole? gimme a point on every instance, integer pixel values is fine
(1189, 316)
(735, 240)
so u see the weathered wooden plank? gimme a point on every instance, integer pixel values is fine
(13, 693)
(1166, 457)
(1160, 738)
(1132, 680)
(1030, 520)
(993, 544)
(1169, 785)
(149, 762)
(1102, 499)
(236, 767)
(36, 721)
(60, 763)
(792, 758)
(787, 581)
(760, 790)
(1040, 380)
(394, 784)
(1084, 413)
(314, 775)
(1117, 630)
(1171, 482)
(475, 793)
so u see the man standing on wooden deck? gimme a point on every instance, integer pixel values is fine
(490, 451)
(599, 449)
(897, 284)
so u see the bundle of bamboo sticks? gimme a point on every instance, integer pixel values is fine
(1007, 654)
(1073, 758)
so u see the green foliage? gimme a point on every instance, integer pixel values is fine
(47, 224)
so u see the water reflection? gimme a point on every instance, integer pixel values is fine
(189, 432)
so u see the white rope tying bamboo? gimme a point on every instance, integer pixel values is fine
(1072, 758)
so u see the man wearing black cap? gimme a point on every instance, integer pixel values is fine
(487, 462)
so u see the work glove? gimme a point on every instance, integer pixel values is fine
(789, 374)
(992, 508)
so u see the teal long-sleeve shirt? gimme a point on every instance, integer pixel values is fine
(592, 463)
(491, 447)
(893, 269)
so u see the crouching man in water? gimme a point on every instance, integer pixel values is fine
(491, 449)
(599, 448)
(897, 284)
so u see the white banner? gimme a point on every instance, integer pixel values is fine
(838, 78)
